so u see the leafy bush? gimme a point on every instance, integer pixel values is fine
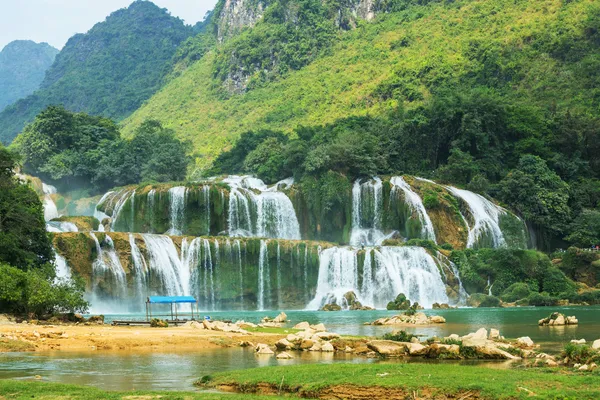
(541, 300)
(516, 291)
(490, 301)
(399, 336)
(158, 323)
(580, 353)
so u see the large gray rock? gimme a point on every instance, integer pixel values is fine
(388, 348)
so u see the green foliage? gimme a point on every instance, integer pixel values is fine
(76, 149)
(24, 241)
(29, 284)
(541, 300)
(580, 354)
(537, 193)
(399, 303)
(585, 229)
(23, 64)
(399, 336)
(158, 323)
(516, 291)
(460, 168)
(505, 267)
(289, 36)
(108, 71)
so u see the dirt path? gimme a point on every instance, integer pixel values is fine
(117, 338)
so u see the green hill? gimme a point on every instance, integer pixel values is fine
(108, 71)
(541, 57)
(23, 64)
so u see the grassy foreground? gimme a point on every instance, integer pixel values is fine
(422, 381)
(20, 390)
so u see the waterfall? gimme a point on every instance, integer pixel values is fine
(61, 226)
(279, 293)
(367, 206)
(151, 206)
(50, 210)
(140, 269)
(241, 271)
(206, 193)
(99, 215)
(408, 270)
(256, 210)
(62, 268)
(108, 273)
(415, 204)
(202, 268)
(263, 268)
(176, 209)
(122, 199)
(486, 217)
(165, 265)
(338, 274)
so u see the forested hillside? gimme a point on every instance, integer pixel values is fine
(538, 59)
(499, 96)
(108, 71)
(23, 64)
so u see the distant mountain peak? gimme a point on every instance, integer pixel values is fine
(23, 64)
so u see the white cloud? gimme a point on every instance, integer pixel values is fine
(55, 21)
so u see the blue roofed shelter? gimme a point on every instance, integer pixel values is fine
(172, 301)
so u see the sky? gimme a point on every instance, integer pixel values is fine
(55, 21)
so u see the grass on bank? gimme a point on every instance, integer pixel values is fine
(431, 380)
(20, 390)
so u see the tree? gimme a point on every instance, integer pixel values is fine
(460, 169)
(28, 279)
(585, 229)
(537, 193)
(24, 242)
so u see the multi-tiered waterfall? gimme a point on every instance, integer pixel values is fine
(236, 243)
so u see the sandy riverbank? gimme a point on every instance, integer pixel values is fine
(125, 338)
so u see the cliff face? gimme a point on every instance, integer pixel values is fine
(234, 15)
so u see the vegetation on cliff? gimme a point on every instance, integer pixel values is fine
(28, 284)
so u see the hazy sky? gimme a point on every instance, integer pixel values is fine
(55, 21)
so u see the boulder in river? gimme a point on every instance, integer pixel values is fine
(558, 319)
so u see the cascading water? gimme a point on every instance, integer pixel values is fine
(416, 205)
(109, 280)
(486, 218)
(118, 207)
(268, 213)
(387, 271)
(99, 215)
(165, 266)
(61, 226)
(338, 274)
(263, 269)
(62, 268)
(50, 210)
(367, 206)
(176, 209)
(140, 269)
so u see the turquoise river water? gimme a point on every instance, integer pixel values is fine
(178, 370)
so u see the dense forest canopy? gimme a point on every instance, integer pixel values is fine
(108, 71)
(78, 150)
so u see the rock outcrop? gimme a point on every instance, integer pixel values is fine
(558, 319)
(405, 319)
